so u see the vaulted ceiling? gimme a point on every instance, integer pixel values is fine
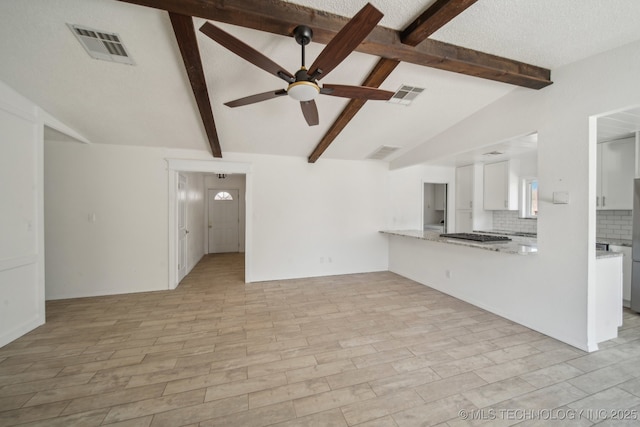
(152, 103)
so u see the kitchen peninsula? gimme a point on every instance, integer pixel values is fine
(489, 276)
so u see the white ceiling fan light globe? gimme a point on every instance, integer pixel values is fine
(303, 91)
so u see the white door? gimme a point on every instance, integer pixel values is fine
(224, 219)
(182, 227)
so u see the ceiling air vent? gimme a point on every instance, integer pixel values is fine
(405, 95)
(383, 152)
(102, 45)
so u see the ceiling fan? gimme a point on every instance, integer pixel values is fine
(303, 86)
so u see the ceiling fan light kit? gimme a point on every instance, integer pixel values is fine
(303, 91)
(304, 86)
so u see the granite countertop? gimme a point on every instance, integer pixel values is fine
(607, 254)
(518, 245)
(507, 233)
(616, 242)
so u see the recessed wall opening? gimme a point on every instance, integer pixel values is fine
(218, 194)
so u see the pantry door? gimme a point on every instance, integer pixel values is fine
(224, 221)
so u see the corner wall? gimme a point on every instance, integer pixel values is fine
(21, 228)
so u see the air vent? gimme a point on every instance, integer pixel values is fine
(383, 152)
(102, 45)
(493, 153)
(405, 95)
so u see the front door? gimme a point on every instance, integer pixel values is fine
(224, 219)
(182, 227)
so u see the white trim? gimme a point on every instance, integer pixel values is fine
(53, 123)
(28, 115)
(208, 166)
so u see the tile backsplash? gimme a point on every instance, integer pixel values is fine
(614, 224)
(509, 221)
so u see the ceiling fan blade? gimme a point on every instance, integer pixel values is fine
(347, 39)
(246, 52)
(256, 98)
(310, 111)
(356, 92)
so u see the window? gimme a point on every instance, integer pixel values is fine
(223, 195)
(529, 205)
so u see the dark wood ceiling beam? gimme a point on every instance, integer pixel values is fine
(434, 18)
(281, 18)
(380, 72)
(186, 38)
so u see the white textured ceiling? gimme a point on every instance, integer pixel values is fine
(151, 103)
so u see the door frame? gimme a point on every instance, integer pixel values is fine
(208, 190)
(175, 166)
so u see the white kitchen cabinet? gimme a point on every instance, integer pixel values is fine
(615, 174)
(464, 187)
(501, 186)
(627, 263)
(470, 214)
(608, 298)
(464, 220)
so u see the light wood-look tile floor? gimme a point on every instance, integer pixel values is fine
(365, 349)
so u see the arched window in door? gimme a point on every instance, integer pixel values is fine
(223, 195)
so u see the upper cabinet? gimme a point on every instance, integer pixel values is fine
(469, 212)
(615, 173)
(501, 185)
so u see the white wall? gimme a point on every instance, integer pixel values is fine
(230, 182)
(316, 219)
(404, 208)
(564, 273)
(196, 196)
(125, 248)
(21, 228)
(308, 220)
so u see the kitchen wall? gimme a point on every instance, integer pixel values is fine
(614, 224)
(560, 280)
(510, 221)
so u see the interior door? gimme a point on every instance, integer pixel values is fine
(224, 220)
(182, 227)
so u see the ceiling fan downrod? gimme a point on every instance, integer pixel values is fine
(303, 36)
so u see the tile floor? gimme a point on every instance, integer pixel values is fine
(365, 349)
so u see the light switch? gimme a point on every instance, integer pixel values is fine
(560, 197)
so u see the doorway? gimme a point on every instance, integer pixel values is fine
(223, 218)
(434, 212)
(217, 168)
